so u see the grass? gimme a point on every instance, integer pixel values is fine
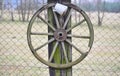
(17, 59)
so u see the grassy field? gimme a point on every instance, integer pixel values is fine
(16, 58)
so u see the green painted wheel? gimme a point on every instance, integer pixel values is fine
(60, 36)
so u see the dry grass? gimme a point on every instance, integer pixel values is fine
(16, 58)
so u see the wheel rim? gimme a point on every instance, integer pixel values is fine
(60, 36)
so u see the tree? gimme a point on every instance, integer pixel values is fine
(1, 8)
(11, 9)
(100, 11)
(79, 6)
(28, 11)
(75, 12)
(9, 6)
(26, 7)
(18, 9)
(23, 9)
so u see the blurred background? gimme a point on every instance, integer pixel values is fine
(16, 59)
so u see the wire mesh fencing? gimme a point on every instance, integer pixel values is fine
(16, 59)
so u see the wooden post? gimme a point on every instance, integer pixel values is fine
(58, 55)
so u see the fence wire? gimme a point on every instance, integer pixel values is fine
(16, 59)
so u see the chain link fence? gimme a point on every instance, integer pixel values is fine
(16, 59)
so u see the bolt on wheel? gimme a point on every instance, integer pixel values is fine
(61, 35)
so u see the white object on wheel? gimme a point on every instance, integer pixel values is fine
(60, 8)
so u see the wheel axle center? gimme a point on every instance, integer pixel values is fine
(60, 35)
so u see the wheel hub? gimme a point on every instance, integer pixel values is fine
(60, 35)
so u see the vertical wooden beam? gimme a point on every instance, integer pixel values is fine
(50, 46)
(57, 58)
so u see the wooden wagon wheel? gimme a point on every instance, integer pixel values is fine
(60, 35)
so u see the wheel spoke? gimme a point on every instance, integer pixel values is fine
(53, 52)
(68, 18)
(74, 46)
(64, 51)
(34, 33)
(46, 23)
(76, 36)
(56, 19)
(51, 40)
(75, 25)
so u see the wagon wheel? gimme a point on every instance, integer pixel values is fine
(60, 36)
